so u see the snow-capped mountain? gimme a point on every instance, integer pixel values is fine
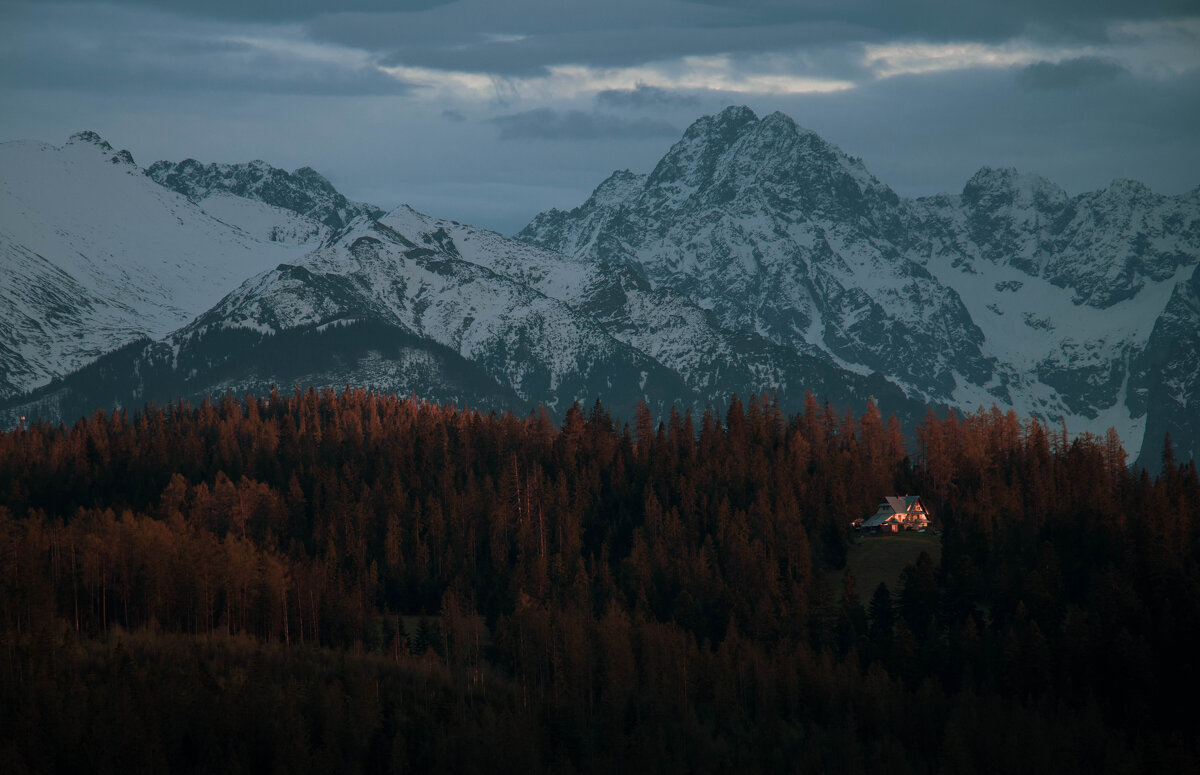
(781, 235)
(95, 255)
(755, 256)
(408, 303)
(1011, 293)
(391, 304)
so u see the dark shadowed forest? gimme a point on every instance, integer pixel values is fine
(351, 582)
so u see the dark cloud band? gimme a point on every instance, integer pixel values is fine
(546, 124)
(1069, 73)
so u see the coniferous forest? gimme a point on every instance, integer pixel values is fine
(359, 583)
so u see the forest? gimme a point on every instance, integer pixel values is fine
(353, 582)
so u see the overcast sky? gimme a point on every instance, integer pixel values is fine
(488, 111)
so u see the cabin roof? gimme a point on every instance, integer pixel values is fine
(902, 503)
(892, 507)
(879, 518)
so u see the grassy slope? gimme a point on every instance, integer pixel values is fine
(873, 559)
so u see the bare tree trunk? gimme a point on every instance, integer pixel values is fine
(315, 618)
(75, 585)
(300, 611)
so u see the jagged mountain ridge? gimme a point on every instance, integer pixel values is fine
(305, 191)
(1011, 292)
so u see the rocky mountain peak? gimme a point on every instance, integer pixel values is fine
(89, 137)
(778, 117)
(728, 123)
(314, 179)
(91, 144)
(734, 157)
(992, 188)
(616, 188)
(1131, 191)
(781, 127)
(305, 191)
(693, 160)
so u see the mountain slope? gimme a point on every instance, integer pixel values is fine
(663, 325)
(377, 308)
(97, 255)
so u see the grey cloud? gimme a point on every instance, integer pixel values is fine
(644, 96)
(1069, 73)
(256, 74)
(929, 135)
(263, 10)
(525, 36)
(546, 124)
(453, 115)
(935, 19)
(427, 40)
(949, 19)
(102, 49)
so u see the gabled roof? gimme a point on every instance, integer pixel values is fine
(902, 504)
(892, 507)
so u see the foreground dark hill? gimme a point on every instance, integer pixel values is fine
(321, 582)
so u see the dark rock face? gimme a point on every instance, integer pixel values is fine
(304, 191)
(1164, 379)
(91, 138)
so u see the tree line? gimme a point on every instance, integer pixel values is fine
(652, 594)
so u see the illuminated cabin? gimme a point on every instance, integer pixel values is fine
(896, 513)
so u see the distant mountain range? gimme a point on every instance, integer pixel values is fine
(755, 256)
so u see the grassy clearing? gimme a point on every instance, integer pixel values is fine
(876, 558)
